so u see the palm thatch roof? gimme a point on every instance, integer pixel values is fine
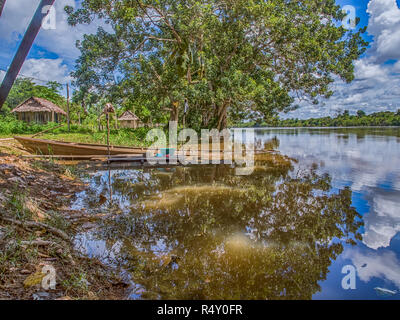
(35, 104)
(128, 116)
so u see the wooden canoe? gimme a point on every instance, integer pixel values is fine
(52, 147)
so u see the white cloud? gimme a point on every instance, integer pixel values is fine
(382, 223)
(61, 41)
(384, 265)
(377, 85)
(46, 70)
(365, 70)
(396, 67)
(384, 26)
(351, 163)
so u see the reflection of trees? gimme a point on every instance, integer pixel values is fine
(203, 232)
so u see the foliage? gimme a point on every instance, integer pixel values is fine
(205, 233)
(361, 119)
(24, 88)
(10, 125)
(224, 60)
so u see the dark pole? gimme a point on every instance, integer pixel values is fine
(23, 50)
(2, 3)
(68, 118)
(108, 133)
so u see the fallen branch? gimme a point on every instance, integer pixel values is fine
(39, 243)
(39, 225)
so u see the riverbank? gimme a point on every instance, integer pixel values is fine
(123, 137)
(37, 229)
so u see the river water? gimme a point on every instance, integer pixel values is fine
(318, 220)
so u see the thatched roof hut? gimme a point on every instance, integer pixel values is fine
(39, 110)
(129, 120)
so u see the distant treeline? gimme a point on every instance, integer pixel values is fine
(361, 119)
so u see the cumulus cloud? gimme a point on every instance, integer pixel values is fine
(384, 265)
(384, 26)
(351, 163)
(382, 223)
(61, 40)
(46, 70)
(377, 84)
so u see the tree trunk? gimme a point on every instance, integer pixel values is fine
(174, 112)
(222, 116)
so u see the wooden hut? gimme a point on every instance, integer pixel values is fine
(39, 110)
(129, 120)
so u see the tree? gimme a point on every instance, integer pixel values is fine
(269, 235)
(346, 114)
(229, 59)
(361, 113)
(24, 88)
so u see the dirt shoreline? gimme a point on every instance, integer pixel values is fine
(36, 231)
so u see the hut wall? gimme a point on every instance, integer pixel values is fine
(128, 124)
(38, 117)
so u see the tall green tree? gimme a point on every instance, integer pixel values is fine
(24, 88)
(222, 60)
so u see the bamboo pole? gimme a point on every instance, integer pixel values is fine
(68, 116)
(108, 133)
(23, 50)
(2, 3)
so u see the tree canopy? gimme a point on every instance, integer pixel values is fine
(204, 233)
(361, 119)
(24, 88)
(219, 60)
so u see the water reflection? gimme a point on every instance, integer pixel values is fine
(367, 161)
(204, 233)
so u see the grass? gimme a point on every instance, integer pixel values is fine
(10, 127)
(123, 138)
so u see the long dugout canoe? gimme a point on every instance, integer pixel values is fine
(52, 147)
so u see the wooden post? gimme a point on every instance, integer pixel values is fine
(68, 119)
(108, 133)
(107, 110)
(23, 50)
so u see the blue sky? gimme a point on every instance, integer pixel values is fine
(376, 87)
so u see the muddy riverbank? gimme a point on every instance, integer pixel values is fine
(37, 228)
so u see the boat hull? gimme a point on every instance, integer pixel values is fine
(50, 147)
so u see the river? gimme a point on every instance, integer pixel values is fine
(319, 220)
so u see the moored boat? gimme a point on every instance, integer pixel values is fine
(53, 147)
